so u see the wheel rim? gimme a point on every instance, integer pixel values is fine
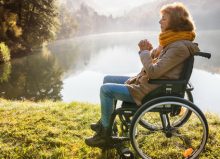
(150, 143)
(179, 120)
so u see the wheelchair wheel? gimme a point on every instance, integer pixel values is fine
(184, 141)
(120, 129)
(177, 120)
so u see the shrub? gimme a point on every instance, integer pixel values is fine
(4, 52)
(5, 72)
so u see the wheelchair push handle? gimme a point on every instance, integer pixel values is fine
(203, 54)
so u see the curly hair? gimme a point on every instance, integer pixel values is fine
(180, 17)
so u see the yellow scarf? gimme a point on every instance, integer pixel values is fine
(168, 37)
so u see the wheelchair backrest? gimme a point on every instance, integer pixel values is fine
(169, 87)
(187, 69)
(189, 63)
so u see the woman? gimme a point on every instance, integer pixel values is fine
(164, 62)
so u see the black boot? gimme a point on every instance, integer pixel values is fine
(100, 139)
(96, 126)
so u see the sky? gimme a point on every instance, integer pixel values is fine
(114, 7)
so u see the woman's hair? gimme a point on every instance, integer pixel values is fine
(180, 18)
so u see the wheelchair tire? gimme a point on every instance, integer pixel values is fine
(171, 140)
(178, 122)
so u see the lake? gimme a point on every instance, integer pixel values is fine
(73, 69)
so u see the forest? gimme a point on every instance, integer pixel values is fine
(30, 24)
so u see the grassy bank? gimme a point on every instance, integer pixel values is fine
(57, 130)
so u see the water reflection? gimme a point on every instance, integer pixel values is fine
(76, 55)
(206, 90)
(34, 77)
(73, 69)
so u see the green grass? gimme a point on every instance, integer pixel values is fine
(57, 130)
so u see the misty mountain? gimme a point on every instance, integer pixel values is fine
(145, 17)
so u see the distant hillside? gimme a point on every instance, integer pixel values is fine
(145, 17)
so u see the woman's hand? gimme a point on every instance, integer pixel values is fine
(145, 45)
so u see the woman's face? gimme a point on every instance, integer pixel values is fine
(164, 22)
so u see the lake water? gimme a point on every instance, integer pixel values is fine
(73, 69)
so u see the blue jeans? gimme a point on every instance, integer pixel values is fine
(113, 88)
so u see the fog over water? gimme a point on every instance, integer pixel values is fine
(73, 69)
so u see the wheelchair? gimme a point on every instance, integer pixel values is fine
(168, 122)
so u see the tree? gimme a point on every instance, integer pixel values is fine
(39, 20)
(28, 23)
(68, 23)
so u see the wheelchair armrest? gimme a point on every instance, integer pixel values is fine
(166, 81)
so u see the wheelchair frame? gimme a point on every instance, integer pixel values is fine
(171, 92)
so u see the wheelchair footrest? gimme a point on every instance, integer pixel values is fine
(116, 140)
(113, 142)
